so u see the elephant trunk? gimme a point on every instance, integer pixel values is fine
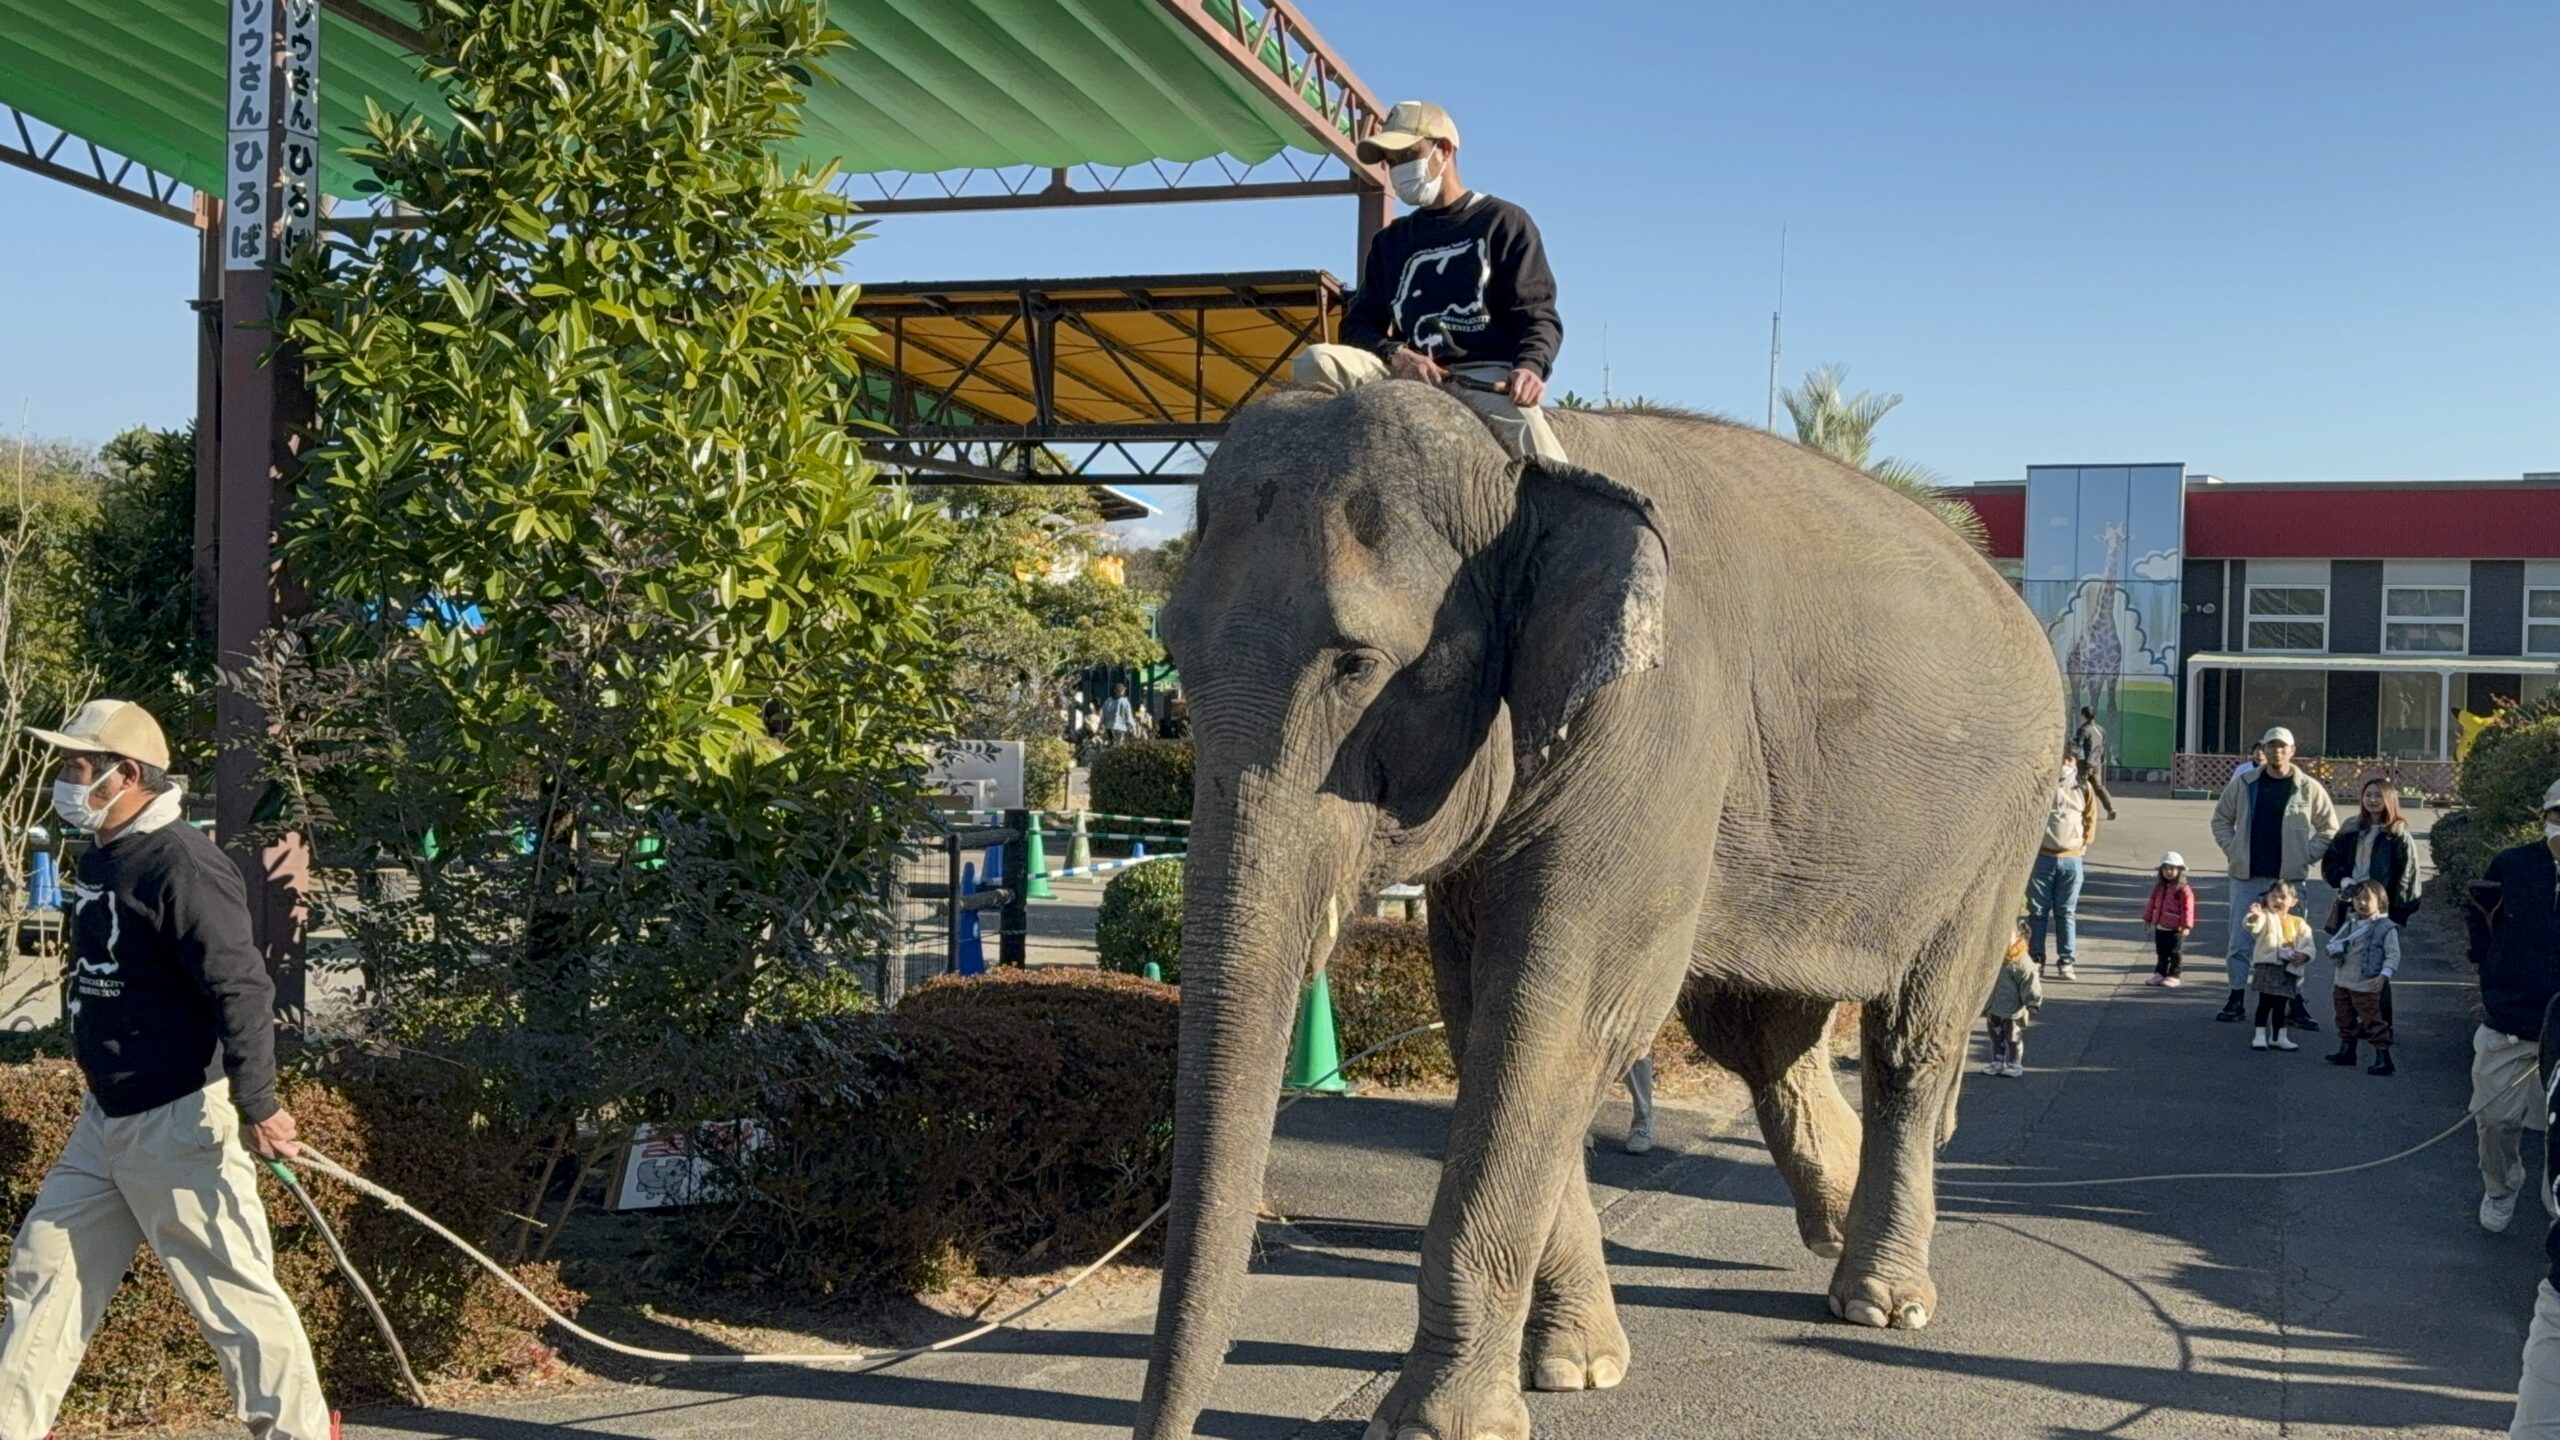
(1258, 898)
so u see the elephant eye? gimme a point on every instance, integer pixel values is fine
(1356, 667)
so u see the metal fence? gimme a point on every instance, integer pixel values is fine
(2344, 775)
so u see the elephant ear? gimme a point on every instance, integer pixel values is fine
(1591, 608)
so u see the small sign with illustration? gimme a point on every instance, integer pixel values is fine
(662, 1168)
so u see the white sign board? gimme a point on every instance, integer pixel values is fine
(662, 1168)
(990, 770)
(274, 70)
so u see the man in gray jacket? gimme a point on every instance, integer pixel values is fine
(2273, 824)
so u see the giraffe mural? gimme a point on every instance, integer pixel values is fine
(2102, 569)
(2095, 660)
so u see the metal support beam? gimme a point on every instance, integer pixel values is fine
(1065, 198)
(81, 165)
(1343, 111)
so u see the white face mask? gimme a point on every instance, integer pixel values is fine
(1416, 183)
(78, 806)
(2551, 829)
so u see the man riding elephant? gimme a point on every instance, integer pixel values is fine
(1413, 655)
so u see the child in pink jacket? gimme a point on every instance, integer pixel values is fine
(2171, 913)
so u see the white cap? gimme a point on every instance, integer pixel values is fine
(2277, 736)
(2172, 857)
(2551, 797)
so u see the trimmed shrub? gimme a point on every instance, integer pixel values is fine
(409, 1126)
(1141, 920)
(2512, 761)
(1047, 762)
(1012, 1121)
(1144, 777)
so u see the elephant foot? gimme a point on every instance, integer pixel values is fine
(1873, 1296)
(1583, 1350)
(1823, 1226)
(1445, 1404)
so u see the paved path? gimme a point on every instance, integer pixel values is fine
(2357, 1305)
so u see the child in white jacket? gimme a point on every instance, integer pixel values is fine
(2016, 994)
(2367, 951)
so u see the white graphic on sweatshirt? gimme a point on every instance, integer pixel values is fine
(1438, 276)
(95, 977)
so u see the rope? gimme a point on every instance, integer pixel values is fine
(2436, 1139)
(347, 1267)
(869, 1359)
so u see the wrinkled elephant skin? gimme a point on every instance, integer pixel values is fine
(1706, 722)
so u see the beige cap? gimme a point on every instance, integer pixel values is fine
(2277, 736)
(1408, 125)
(2551, 798)
(111, 727)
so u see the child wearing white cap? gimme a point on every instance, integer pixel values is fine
(2171, 913)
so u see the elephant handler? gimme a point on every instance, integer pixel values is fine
(2514, 919)
(173, 1021)
(1455, 293)
(2273, 823)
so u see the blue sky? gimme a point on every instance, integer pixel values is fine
(2276, 241)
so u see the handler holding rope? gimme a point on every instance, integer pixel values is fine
(173, 1020)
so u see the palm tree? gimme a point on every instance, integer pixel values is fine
(1843, 427)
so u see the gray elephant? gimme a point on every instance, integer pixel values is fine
(1411, 656)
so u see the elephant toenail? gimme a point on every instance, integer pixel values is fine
(1863, 1312)
(1559, 1375)
(1827, 1249)
(1914, 1316)
(1606, 1372)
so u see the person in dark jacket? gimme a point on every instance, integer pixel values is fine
(1456, 292)
(2374, 845)
(2538, 1393)
(2514, 918)
(173, 1022)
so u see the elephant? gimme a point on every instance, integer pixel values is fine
(1410, 655)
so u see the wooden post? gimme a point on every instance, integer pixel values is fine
(270, 206)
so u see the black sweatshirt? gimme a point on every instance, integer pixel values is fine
(168, 990)
(1464, 284)
(2515, 937)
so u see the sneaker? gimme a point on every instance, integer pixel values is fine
(2157, 981)
(1640, 1140)
(2496, 1211)
(2258, 1038)
(2284, 1041)
(2172, 981)
(2013, 1070)
(2070, 971)
(1996, 1067)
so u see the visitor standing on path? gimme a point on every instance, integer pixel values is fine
(2374, 846)
(1119, 718)
(2089, 747)
(2365, 954)
(2279, 958)
(2016, 994)
(2171, 914)
(1456, 291)
(2273, 824)
(2053, 887)
(2514, 919)
(173, 1022)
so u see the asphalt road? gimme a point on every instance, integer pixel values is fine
(2354, 1305)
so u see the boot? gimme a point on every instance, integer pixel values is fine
(2258, 1038)
(2345, 1054)
(2283, 1040)
(2298, 1016)
(2381, 1062)
(2232, 1008)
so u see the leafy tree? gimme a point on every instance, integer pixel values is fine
(47, 499)
(144, 623)
(1157, 568)
(1029, 611)
(601, 576)
(1843, 427)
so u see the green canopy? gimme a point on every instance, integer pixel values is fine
(927, 85)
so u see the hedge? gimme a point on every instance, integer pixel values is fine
(1144, 777)
(408, 1125)
(2511, 763)
(1018, 1120)
(1141, 921)
(1047, 762)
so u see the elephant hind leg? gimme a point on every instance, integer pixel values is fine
(1914, 1040)
(1780, 1046)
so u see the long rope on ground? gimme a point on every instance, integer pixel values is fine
(315, 1160)
(399, 1355)
(2437, 1138)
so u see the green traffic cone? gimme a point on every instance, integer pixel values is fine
(1315, 1056)
(1037, 858)
(1080, 849)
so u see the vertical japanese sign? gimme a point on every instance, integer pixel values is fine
(244, 190)
(271, 188)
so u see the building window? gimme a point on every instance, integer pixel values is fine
(2542, 610)
(2412, 719)
(2289, 617)
(2426, 607)
(2295, 699)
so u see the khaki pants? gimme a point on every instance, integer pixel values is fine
(1336, 368)
(178, 1179)
(2538, 1393)
(2509, 1104)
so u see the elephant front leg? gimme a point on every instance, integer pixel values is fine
(1574, 1339)
(1514, 1139)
